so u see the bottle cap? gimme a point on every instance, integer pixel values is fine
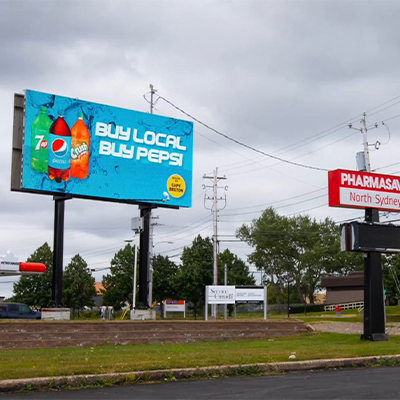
(43, 108)
(80, 115)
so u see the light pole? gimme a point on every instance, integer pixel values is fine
(134, 269)
(288, 278)
(151, 270)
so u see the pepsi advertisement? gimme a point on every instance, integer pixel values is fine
(93, 150)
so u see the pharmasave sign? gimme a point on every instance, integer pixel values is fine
(355, 189)
(86, 149)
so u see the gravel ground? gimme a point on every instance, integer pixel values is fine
(350, 327)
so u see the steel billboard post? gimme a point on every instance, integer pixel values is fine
(144, 262)
(58, 250)
(374, 318)
(374, 305)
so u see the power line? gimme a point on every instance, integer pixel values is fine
(239, 142)
(286, 205)
(267, 204)
(321, 134)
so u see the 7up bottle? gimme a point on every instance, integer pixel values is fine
(40, 141)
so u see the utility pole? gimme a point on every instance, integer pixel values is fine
(146, 242)
(152, 91)
(226, 283)
(374, 304)
(214, 209)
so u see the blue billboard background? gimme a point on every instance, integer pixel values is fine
(134, 156)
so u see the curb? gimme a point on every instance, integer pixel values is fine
(134, 377)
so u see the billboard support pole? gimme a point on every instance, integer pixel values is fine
(58, 249)
(144, 262)
(374, 305)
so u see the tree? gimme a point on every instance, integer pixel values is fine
(78, 284)
(238, 272)
(391, 277)
(164, 278)
(118, 284)
(36, 290)
(196, 271)
(297, 249)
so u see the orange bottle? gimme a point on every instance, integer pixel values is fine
(80, 149)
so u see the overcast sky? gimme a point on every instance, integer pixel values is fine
(282, 77)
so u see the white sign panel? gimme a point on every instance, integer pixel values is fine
(9, 263)
(249, 294)
(220, 294)
(369, 198)
(174, 307)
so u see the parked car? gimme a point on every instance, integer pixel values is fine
(18, 311)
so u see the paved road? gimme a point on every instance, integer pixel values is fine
(358, 383)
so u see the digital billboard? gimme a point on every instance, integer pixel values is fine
(92, 150)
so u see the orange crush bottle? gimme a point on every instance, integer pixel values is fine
(80, 149)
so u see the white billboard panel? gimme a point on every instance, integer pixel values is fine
(220, 294)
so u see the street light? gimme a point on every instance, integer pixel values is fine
(134, 268)
(151, 272)
(288, 278)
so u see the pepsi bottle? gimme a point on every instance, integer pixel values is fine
(59, 162)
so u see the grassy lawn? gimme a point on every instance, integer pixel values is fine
(107, 359)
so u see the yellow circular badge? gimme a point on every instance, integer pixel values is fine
(176, 186)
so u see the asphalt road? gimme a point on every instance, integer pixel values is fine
(356, 383)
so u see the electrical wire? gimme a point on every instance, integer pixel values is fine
(322, 134)
(239, 142)
(281, 200)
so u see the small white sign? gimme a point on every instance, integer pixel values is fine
(249, 294)
(220, 294)
(9, 263)
(56, 314)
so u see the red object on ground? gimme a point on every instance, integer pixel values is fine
(32, 267)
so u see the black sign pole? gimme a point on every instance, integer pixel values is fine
(374, 305)
(144, 261)
(58, 249)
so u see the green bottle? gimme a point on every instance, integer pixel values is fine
(40, 141)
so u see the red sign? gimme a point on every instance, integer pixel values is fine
(356, 189)
(180, 302)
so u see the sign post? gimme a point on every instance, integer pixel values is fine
(373, 192)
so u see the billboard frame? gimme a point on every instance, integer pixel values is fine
(17, 167)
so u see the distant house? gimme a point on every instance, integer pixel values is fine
(319, 298)
(98, 299)
(344, 289)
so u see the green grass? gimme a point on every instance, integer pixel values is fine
(108, 359)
